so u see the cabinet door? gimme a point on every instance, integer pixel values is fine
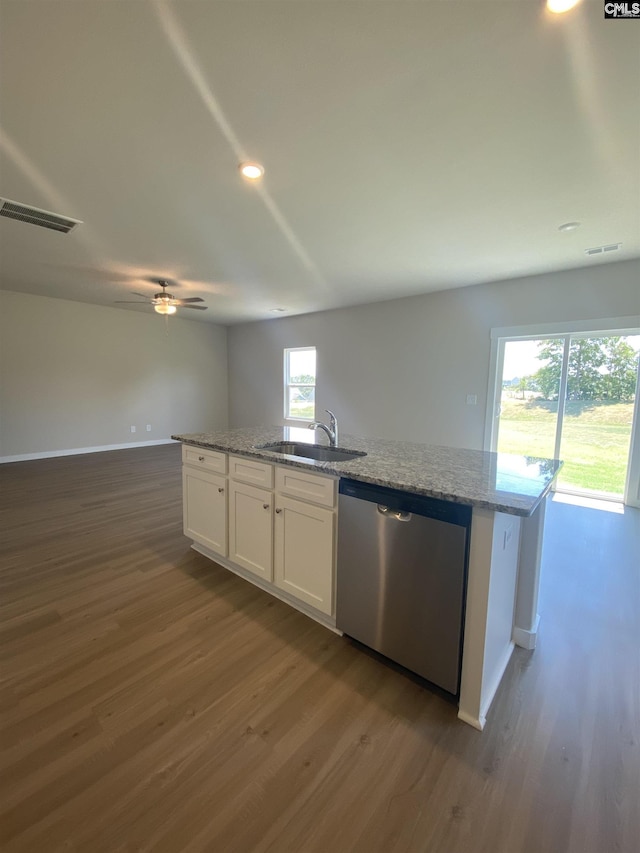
(304, 552)
(251, 529)
(204, 498)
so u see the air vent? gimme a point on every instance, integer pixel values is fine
(600, 250)
(35, 216)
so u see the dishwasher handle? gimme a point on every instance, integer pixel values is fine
(396, 514)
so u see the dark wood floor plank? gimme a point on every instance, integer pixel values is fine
(151, 700)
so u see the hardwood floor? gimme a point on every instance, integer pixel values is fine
(151, 700)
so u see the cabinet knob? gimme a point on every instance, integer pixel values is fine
(265, 506)
(278, 511)
(200, 458)
(221, 490)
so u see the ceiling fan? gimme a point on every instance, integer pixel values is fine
(163, 302)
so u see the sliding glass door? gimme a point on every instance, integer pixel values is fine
(573, 397)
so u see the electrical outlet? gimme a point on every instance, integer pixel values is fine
(148, 427)
(133, 429)
(472, 399)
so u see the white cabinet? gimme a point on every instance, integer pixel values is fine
(251, 471)
(208, 460)
(304, 548)
(204, 504)
(282, 540)
(308, 487)
(251, 529)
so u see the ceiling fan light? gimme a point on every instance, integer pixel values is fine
(165, 308)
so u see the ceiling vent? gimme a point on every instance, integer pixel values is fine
(603, 250)
(35, 216)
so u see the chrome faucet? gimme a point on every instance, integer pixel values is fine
(331, 430)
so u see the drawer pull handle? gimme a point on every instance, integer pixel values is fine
(220, 489)
(278, 511)
(200, 458)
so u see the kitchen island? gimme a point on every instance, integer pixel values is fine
(506, 494)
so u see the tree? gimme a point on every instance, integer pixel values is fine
(548, 377)
(621, 362)
(598, 369)
(584, 380)
(304, 379)
(526, 383)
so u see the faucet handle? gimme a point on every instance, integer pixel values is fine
(333, 428)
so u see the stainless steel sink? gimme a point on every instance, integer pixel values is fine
(318, 452)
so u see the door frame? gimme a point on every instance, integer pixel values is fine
(597, 328)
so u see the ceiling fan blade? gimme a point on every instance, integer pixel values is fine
(129, 302)
(195, 307)
(144, 295)
(189, 299)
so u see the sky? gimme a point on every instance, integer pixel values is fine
(303, 362)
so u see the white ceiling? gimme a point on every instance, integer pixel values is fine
(408, 147)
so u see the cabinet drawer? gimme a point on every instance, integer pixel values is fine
(209, 460)
(251, 471)
(309, 487)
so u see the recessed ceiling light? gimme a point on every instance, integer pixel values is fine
(560, 6)
(569, 226)
(251, 171)
(277, 310)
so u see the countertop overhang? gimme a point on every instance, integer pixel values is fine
(495, 481)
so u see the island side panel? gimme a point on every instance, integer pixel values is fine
(526, 621)
(488, 643)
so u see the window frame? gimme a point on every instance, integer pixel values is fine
(288, 384)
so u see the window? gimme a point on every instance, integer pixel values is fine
(568, 391)
(300, 384)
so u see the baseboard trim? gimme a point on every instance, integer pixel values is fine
(477, 722)
(490, 693)
(527, 639)
(77, 451)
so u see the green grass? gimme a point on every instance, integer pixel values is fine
(595, 440)
(301, 409)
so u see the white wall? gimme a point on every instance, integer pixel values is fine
(75, 376)
(402, 369)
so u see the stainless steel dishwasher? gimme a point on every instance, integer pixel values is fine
(401, 577)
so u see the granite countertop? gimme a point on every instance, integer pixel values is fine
(495, 481)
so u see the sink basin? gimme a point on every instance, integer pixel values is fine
(312, 451)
